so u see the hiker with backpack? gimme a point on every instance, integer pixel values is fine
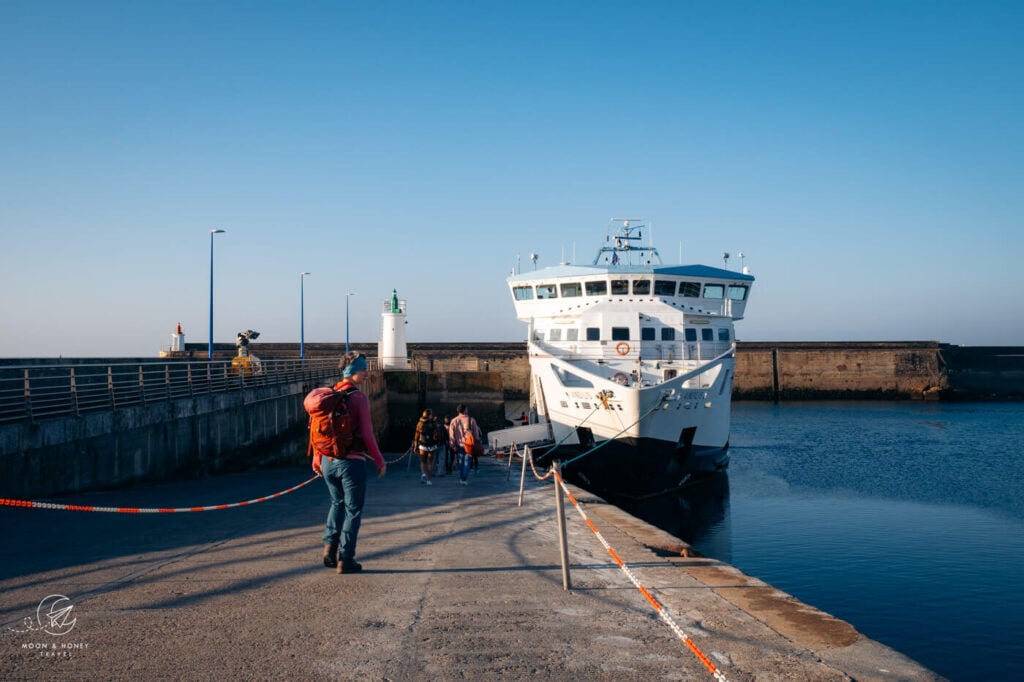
(465, 439)
(341, 444)
(426, 441)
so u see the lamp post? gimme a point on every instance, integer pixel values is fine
(349, 294)
(210, 350)
(302, 314)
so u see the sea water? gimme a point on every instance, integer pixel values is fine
(904, 519)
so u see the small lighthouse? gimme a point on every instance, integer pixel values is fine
(178, 340)
(177, 347)
(391, 350)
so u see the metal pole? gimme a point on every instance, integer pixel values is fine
(346, 321)
(302, 314)
(522, 477)
(210, 347)
(563, 541)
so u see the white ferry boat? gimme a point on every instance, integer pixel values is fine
(632, 363)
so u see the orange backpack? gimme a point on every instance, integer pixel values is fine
(331, 425)
(469, 440)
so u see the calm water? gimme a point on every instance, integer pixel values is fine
(904, 519)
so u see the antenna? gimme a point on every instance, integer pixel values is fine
(725, 258)
(534, 258)
(741, 257)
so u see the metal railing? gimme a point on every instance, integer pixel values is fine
(38, 392)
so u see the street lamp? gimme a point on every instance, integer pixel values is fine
(302, 314)
(346, 319)
(212, 232)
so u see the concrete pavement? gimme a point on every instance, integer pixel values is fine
(458, 583)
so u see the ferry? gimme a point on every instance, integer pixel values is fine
(632, 363)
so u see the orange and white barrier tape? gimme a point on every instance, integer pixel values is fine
(140, 510)
(662, 611)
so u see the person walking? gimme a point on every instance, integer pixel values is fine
(346, 476)
(426, 445)
(460, 427)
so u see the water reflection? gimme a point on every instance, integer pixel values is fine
(699, 514)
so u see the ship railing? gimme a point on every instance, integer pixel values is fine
(698, 373)
(46, 391)
(653, 351)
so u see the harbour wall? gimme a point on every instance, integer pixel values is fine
(195, 436)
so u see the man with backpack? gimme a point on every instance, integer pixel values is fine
(465, 438)
(341, 459)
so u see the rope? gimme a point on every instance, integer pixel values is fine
(662, 611)
(609, 440)
(139, 510)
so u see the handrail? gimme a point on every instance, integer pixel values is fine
(38, 392)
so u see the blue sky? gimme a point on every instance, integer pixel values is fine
(866, 157)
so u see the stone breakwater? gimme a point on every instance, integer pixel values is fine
(765, 370)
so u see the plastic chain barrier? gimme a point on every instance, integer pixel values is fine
(139, 510)
(399, 458)
(662, 611)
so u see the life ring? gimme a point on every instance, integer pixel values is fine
(620, 378)
(622, 348)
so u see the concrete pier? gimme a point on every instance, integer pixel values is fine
(458, 583)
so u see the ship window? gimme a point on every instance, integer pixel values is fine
(689, 289)
(572, 334)
(597, 288)
(620, 333)
(546, 291)
(723, 334)
(538, 334)
(522, 293)
(593, 334)
(707, 334)
(710, 291)
(620, 286)
(555, 335)
(572, 290)
(737, 292)
(691, 334)
(647, 333)
(668, 334)
(641, 287)
(664, 287)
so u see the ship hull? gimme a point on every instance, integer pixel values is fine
(625, 442)
(632, 470)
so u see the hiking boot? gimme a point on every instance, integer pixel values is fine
(423, 478)
(349, 566)
(330, 554)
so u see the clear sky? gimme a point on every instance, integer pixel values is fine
(866, 157)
